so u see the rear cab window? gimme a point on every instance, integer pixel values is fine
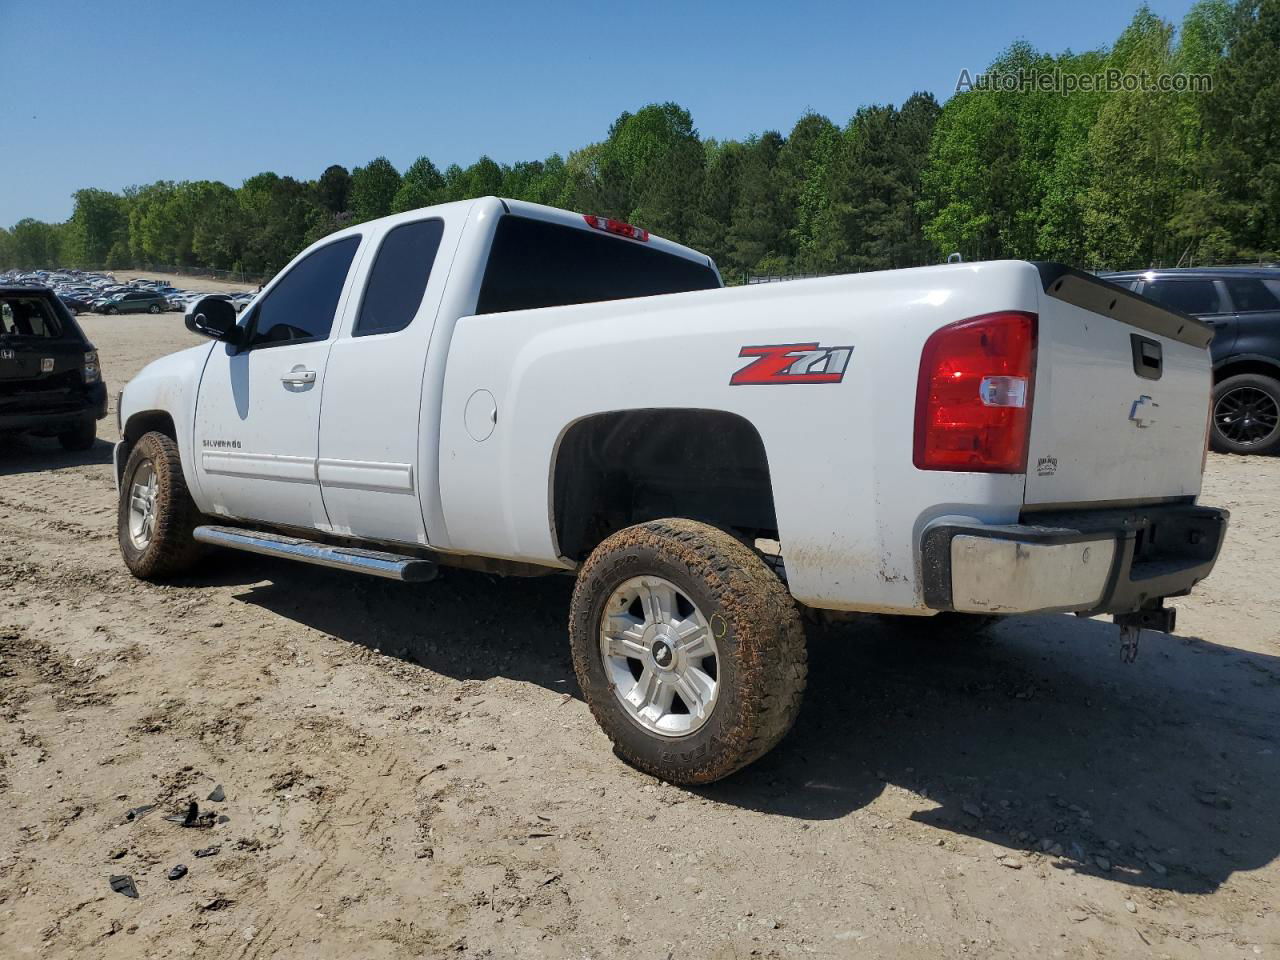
(538, 263)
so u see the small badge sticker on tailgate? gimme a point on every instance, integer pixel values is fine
(1143, 411)
(46, 364)
(7, 354)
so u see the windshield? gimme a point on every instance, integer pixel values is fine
(535, 263)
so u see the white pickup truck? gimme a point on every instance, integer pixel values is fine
(508, 387)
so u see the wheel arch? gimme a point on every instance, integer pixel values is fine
(138, 424)
(611, 470)
(1246, 363)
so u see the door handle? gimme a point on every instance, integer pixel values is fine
(299, 377)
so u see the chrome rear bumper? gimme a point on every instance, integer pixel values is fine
(1095, 561)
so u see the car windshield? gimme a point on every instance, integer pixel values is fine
(27, 317)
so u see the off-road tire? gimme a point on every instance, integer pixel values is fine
(172, 550)
(1249, 381)
(762, 662)
(82, 437)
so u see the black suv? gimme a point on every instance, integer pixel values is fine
(50, 383)
(1242, 304)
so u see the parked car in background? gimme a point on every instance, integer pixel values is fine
(76, 303)
(1242, 304)
(50, 383)
(133, 301)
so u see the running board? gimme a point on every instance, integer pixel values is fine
(392, 566)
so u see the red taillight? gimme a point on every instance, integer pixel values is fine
(973, 401)
(616, 226)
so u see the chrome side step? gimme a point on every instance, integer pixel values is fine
(392, 566)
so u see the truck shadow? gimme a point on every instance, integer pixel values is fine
(1039, 736)
(20, 455)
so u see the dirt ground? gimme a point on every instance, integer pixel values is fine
(409, 772)
(183, 282)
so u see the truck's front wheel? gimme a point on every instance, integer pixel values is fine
(688, 648)
(156, 514)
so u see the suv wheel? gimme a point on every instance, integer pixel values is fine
(82, 437)
(156, 515)
(1246, 414)
(688, 648)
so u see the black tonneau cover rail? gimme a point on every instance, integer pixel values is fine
(1098, 296)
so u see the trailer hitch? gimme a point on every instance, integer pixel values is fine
(1153, 615)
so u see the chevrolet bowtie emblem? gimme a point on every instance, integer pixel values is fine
(1143, 411)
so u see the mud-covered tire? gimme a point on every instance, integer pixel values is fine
(169, 549)
(761, 660)
(83, 436)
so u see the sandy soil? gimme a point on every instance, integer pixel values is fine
(409, 772)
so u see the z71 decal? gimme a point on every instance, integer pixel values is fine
(792, 363)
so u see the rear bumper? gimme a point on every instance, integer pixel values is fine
(66, 413)
(1095, 562)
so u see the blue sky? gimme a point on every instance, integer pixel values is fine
(107, 94)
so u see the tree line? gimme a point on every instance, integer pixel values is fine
(1118, 179)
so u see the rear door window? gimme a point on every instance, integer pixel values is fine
(536, 263)
(301, 306)
(399, 278)
(28, 317)
(1250, 295)
(1189, 296)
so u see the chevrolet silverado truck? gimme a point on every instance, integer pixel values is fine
(507, 387)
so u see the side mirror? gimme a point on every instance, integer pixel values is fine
(216, 318)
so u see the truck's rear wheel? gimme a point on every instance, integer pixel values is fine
(688, 648)
(156, 514)
(1246, 414)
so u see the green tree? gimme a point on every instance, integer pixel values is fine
(98, 222)
(1240, 210)
(35, 244)
(421, 186)
(373, 189)
(757, 238)
(333, 189)
(1137, 157)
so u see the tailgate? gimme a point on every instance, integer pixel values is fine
(1121, 396)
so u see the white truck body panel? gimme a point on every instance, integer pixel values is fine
(445, 434)
(836, 452)
(1087, 444)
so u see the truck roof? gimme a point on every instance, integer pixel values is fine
(524, 208)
